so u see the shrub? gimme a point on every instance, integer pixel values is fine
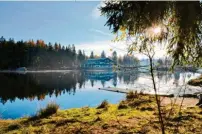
(104, 104)
(146, 108)
(131, 95)
(122, 105)
(97, 119)
(105, 126)
(14, 126)
(139, 102)
(50, 109)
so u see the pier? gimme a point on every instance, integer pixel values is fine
(126, 90)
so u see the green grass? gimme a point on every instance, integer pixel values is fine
(50, 109)
(137, 115)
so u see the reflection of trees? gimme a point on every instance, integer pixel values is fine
(120, 76)
(160, 74)
(92, 83)
(164, 76)
(168, 77)
(38, 85)
(128, 77)
(81, 79)
(103, 83)
(115, 79)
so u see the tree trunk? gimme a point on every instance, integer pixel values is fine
(156, 96)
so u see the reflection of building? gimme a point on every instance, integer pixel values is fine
(176, 78)
(100, 63)
(103, 76)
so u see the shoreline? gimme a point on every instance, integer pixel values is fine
(196, 81)
(135, 114)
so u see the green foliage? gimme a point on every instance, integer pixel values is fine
(160, 62)
(103, 55)
(128, 60)
(37, 55)
(104, 104)
(92, 55)
(180, 23)
(114, 57)
(80, 56)
(50, 109)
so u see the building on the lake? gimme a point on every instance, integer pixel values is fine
(99, 63)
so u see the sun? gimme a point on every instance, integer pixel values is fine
(157, 30)
(154, 31)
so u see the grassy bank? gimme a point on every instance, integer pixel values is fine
(196, 82)
(136, 114)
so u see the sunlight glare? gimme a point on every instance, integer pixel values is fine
(156, 30)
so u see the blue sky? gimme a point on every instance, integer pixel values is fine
(65, 22)
(72, 22)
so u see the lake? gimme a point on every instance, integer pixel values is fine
(24, 94)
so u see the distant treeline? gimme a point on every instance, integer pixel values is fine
(38, 55)
(121, 60)
(41, 55)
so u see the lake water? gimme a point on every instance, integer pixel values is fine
(24, 94)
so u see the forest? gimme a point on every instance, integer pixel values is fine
(38, 55)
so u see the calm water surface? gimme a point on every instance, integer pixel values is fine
(24, 94)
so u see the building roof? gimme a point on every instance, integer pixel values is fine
(93, 61)
(98, 59)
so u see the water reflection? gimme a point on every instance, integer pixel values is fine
(101, 76)
(38, 85)
(35, 87)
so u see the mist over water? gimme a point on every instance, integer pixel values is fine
(22, 94)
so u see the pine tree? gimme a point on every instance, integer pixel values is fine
(114, 57)
(103, 54)
(92, 55)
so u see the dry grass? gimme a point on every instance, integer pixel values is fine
(104, 104)
(140, 116)
(122, 105)
(196, 82)
(131, 95)
(50, 109)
